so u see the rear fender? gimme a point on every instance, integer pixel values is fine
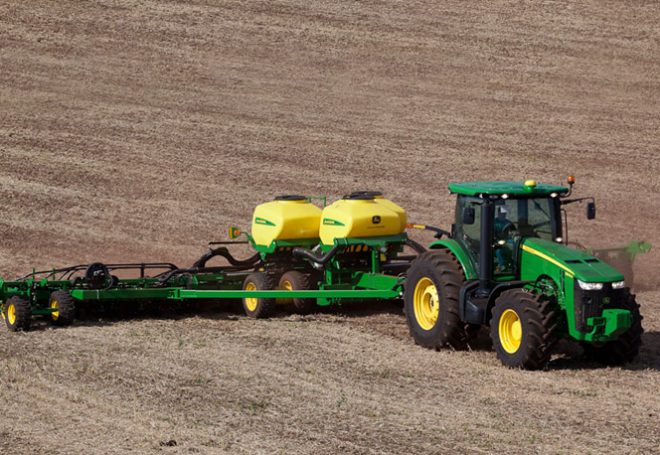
(460, 253)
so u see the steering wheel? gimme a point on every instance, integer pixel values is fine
(505, 231)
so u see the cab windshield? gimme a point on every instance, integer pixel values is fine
(528, 217)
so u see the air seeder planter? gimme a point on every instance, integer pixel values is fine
(355, 253)
(504, 265)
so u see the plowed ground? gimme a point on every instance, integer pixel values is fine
(135, 131)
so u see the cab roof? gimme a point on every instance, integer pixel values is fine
(520, 188)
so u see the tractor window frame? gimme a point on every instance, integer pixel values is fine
(468, 236)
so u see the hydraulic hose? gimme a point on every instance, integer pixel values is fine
(163, 279)
(419, 248)
(224, 252)
(313, 258)
(200, 265)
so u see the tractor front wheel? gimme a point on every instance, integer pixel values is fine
(625, 348)
(523, 329)
(259, 307)
(63, 308)
(17, 314)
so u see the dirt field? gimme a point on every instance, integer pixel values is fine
(140, 130)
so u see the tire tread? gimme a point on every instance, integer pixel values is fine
(541, 317)
(66, 307)
(450, 272)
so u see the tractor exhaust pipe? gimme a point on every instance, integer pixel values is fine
(486, 249)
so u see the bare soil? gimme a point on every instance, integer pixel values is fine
(135, 131)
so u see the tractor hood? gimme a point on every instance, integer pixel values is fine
(583, 266)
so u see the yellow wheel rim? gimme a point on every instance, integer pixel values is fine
(510, 331)
(55, 307)
(11, 314)
(285, 285)
(426, 303)
(251, 302)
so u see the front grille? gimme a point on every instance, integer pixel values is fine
(592, 303)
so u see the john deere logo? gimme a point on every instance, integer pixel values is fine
(263, 221)
(331, 222)
(375, 219)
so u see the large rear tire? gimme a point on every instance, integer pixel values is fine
(255, 307)
(624, 349)
(298, 281)
(64, 308)
(523, 329)
(431, 300)
(17, 314)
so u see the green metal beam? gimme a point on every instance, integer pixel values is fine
(124, 294)
(280, 294)
(180, 294)
(43, 311)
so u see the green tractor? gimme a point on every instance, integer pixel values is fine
(504, 265)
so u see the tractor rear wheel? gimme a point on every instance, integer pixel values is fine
(625, 348)
(298, 281)
(523, 329)
(259, 307)
(64, 308)
(431, 300)
(17, 313)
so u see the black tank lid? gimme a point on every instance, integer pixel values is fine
(290, 197)
(363, 195)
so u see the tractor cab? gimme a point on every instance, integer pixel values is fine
(497, 216)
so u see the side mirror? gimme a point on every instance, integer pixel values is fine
(591, 210)
(468, 215)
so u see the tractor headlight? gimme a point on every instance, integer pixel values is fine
(590, 286)
(618, 284)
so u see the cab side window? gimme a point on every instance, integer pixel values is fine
(469, 234)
